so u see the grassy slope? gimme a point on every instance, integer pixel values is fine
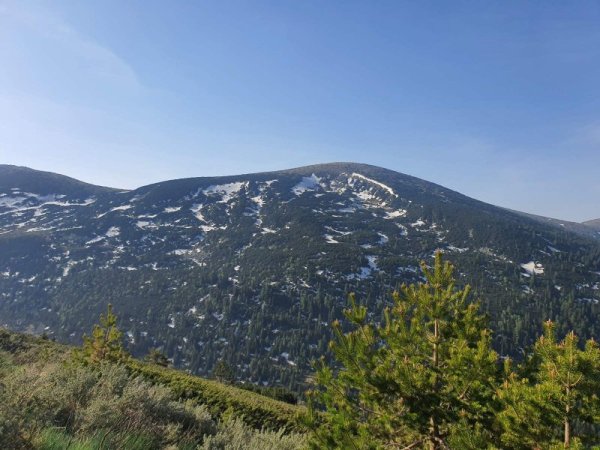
(256, 410)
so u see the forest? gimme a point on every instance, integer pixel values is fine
(424, 377)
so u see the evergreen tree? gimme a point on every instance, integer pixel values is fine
(424, 378)
(157, 357)
(223, 372)
(105, 343)
(558, 389)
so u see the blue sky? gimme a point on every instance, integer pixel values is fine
(498, 100)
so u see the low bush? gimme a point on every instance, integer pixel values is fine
(235, 435)
(83, 401)
(50, 401)
(256, 410)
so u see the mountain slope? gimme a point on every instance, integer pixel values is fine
(36, 182)
(589, 229)
(252, 268)
(595, 224)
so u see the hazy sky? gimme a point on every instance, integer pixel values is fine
(500, 101)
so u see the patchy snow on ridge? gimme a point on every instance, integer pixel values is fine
(116, 208)
(453, 248)
(367, 271)
(25, 201)
(383, 239)
(121, 208)
(227, 191)
(307, 184)
(533, 268)
(145, 225)
(375, 182)
(197, 211)
(329, 239)
(343, 233)
(172, 209)
(113, 231)
(395, 214)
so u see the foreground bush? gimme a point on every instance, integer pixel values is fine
(235, 435)
(82, 400)
(52, 404)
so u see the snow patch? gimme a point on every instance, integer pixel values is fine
(367, 271)
(533, 268)
(329, 239)
(226, 191)
(307, 184)
(113, 231)
(375, 182)
(395, 214)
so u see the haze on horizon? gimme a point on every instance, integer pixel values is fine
(499, 101)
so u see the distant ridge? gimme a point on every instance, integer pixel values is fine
(595, 223)
(43, 183)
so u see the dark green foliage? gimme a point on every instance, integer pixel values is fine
(223, 372)
(278, 393)
(256, 410)
(105, 344)
(554, 398)
(425, 376)
(157, 357)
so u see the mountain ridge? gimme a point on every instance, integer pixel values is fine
(594, 223)
(338, 166)
(12, 174)
(252, 268)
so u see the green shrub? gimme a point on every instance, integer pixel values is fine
(49, 401)
(84, 400)
(57, 439)
(235, 435)
(256, 411)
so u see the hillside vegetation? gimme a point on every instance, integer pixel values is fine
(426, 377)
(423, 375)
(50, 399)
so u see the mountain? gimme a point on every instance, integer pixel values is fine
(44, 184)
(594, 224)
(589, 229)
(252, 268)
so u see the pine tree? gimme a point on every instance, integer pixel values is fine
(223, 372)
(557, 388)
(157, 357)
(105, 343)
(424, 378)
